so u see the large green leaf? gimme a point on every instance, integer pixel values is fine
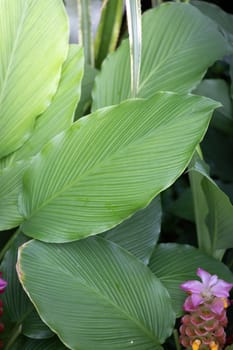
(95, 295)
(60, 114)
(57, 117)
(110, 164)
(178, 45)
(140, 232)
(34, 45)
(176, 263)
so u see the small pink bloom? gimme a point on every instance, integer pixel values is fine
(209, 287)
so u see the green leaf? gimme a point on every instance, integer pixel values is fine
(174, 264)
(28, 32)
(10, 182)
(140, 232)
(60, 114)
(222, 18)
(16, 303)
(108, 29)
(30, 344)
(218, 90)
(110, 164)
(87, 86)
(219, 210)
(174, 37)
(33, 327)
(57, 117)
(133, 11)
(95, 295)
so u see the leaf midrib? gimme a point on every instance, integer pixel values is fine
(104, 297)
(93, 169)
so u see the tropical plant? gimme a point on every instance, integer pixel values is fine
(107, 200)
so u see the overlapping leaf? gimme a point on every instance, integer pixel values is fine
(176, 263)
(216, 207)
(140, 232)
(60, 114)
(34, 45)
(90, 293)
(174, 38)
(110, 164)
(57, 117)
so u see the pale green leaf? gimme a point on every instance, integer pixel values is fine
(178, 45)
(60, 114)
(110, 164)
(34, 45)
(174, 264)
(140, 232)
(95, 295)
(57, 117)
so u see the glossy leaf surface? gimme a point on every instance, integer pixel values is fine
(27, 33)
(90, 293)
(174, 37)
(140, 232)
(110, 164)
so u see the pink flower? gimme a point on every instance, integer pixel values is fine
(205, 291)
(3, 285)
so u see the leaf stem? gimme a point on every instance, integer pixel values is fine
(133, 10)
(176, 338)
(13, 336)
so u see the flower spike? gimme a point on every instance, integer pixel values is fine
(202, 327)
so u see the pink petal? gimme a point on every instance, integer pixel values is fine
(217, 306)
(196, 299)
(188, 305)
(192, 286)
(3, 284)
(213, 280)
(221, 289)
(204, 276)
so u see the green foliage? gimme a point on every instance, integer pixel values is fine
(105, 290)
(28, 31)
(174, 263)
(68, 196)
(174, 36)
(63, 180)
